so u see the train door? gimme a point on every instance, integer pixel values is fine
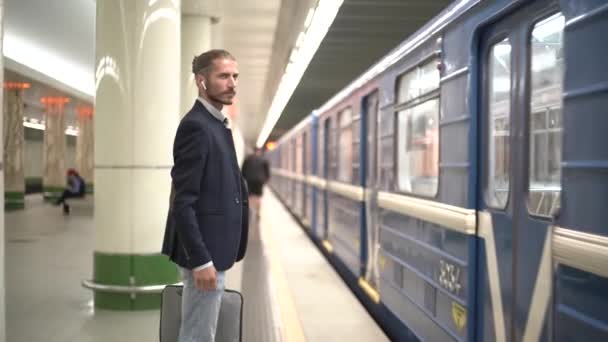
(314, 172)
(305, 172)
(293, 184)
(298, 186)
(368, 180)
(327, 144)
(520, 149)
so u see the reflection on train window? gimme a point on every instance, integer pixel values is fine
(418, 131)
(288, 155)
(356, 158)
(299, 152)
(546, 76)
(321, 151)
(372, 137)
(285, 157)
(307, 154)
(499, 113)
(345, 149)
(419, 81)
(332, 161)
(293, 153)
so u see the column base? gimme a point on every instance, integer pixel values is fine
(52, 193)
(14, 200)
(131, 270)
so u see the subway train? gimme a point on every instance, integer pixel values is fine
(460, 185)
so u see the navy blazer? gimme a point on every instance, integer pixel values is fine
(208, 215)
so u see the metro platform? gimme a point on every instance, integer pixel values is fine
(291, 292)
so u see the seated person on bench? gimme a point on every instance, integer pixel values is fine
(75, 189)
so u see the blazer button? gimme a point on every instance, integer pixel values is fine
(236, 200)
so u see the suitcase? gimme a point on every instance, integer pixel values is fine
(230, 321)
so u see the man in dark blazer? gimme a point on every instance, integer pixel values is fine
(208, 219)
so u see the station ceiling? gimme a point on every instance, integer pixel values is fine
(260, 33)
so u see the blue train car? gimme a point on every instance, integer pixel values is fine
(292, 162)
(459, 185)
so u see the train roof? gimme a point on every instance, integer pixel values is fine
(438, 23)
(297, 128)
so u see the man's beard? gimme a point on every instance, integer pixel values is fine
(218, 99)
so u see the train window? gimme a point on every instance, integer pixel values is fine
(419, 81)
(299, 155)
(418, 131)
(321, 150)
(356, 145)
(499, 107)
(418, 148)
(290, 154)
(293, 152)
(332, 162)
(345, 150)
(285, 149)
(307, 146)
(546, 78)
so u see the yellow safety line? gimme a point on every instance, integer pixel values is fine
(327, 245)
(291, 328)
(371, 292)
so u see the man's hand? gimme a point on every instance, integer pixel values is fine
(205, 279)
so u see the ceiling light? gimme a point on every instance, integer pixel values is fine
(38, 126)
(41, 127)
(17, 85)
(321, 20)
(71, 131)
(49, 64)
(300, 39)
(308, 20)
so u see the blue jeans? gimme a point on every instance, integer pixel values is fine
(200, 309)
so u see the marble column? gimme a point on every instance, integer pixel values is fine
(137, 107)
(2, 258)
(85, 146)
(14, 175)
(196, 39)
(54, 173)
